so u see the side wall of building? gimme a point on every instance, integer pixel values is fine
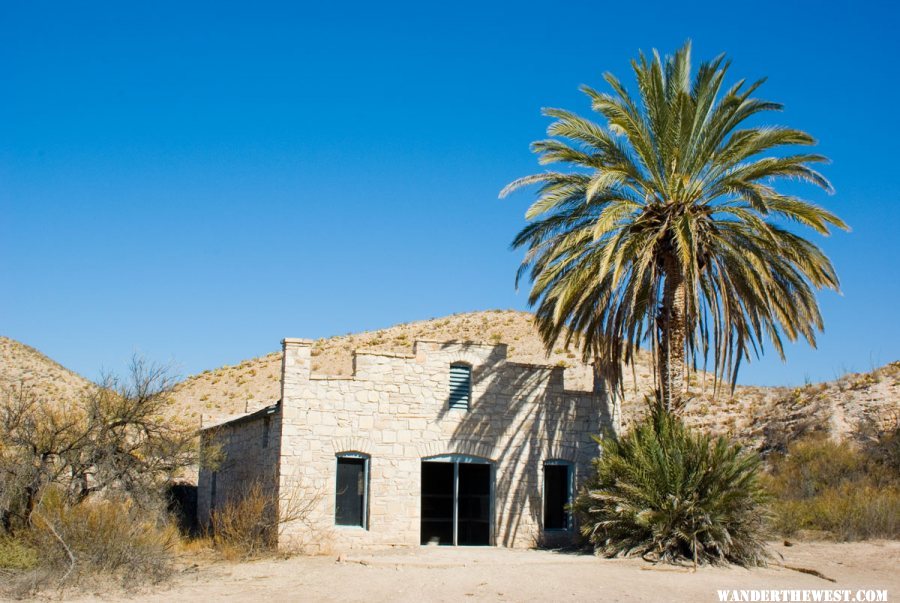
(236, 455)
(395, 411)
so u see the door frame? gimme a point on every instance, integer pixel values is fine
(456, 460)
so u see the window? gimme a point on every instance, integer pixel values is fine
(557, 495)
(267, 427)
(351, 495)
(460, 386)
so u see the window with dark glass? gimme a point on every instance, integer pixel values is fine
(351, 492)
(557, 495)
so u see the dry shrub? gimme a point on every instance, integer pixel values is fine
(68, 544)
(249, 524)
(835, 489)
(116, 438)
(194, 546)
(846, 512)
(82, 482)
(106, 536)
(880, 438)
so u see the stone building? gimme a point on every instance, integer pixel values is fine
(452, 444)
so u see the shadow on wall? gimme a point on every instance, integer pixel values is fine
(536, 427)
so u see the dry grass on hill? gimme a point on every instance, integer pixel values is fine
(22, 365)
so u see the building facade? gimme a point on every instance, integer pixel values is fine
(452, 444)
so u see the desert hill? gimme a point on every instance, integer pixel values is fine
(763, 417)
(24, 366)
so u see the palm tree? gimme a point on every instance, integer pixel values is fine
(668, 227)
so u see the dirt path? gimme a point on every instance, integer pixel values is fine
(489, 574)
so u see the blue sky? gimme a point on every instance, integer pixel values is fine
(195, 181)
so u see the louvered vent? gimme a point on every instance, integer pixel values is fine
(460, 386)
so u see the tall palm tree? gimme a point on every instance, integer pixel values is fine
(668, 228)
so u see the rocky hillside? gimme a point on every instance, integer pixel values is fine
(768, 418)
(24, 366)
(764, 417)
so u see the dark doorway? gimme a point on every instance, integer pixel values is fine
(456, 503)
(474, 503)
(556, 496)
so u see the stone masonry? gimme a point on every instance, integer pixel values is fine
(238, 454)
(394, 412)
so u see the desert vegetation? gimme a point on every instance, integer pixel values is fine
(83, 482)
(86, 487)
(842, 490)
(668, 492)
(247, 526)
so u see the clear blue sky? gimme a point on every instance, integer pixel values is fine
(195, 181)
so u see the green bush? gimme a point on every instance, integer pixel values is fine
(836, 489)
(16, 555)
(670, 494)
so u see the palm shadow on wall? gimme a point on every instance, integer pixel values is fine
(531, 427)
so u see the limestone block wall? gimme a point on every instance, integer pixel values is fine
(237, 454)
(395, 410)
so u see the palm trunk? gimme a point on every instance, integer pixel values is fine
(671, 340)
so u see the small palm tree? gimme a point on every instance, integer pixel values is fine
(669, 228)
(669, 493)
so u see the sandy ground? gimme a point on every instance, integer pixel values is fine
(491, 574)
